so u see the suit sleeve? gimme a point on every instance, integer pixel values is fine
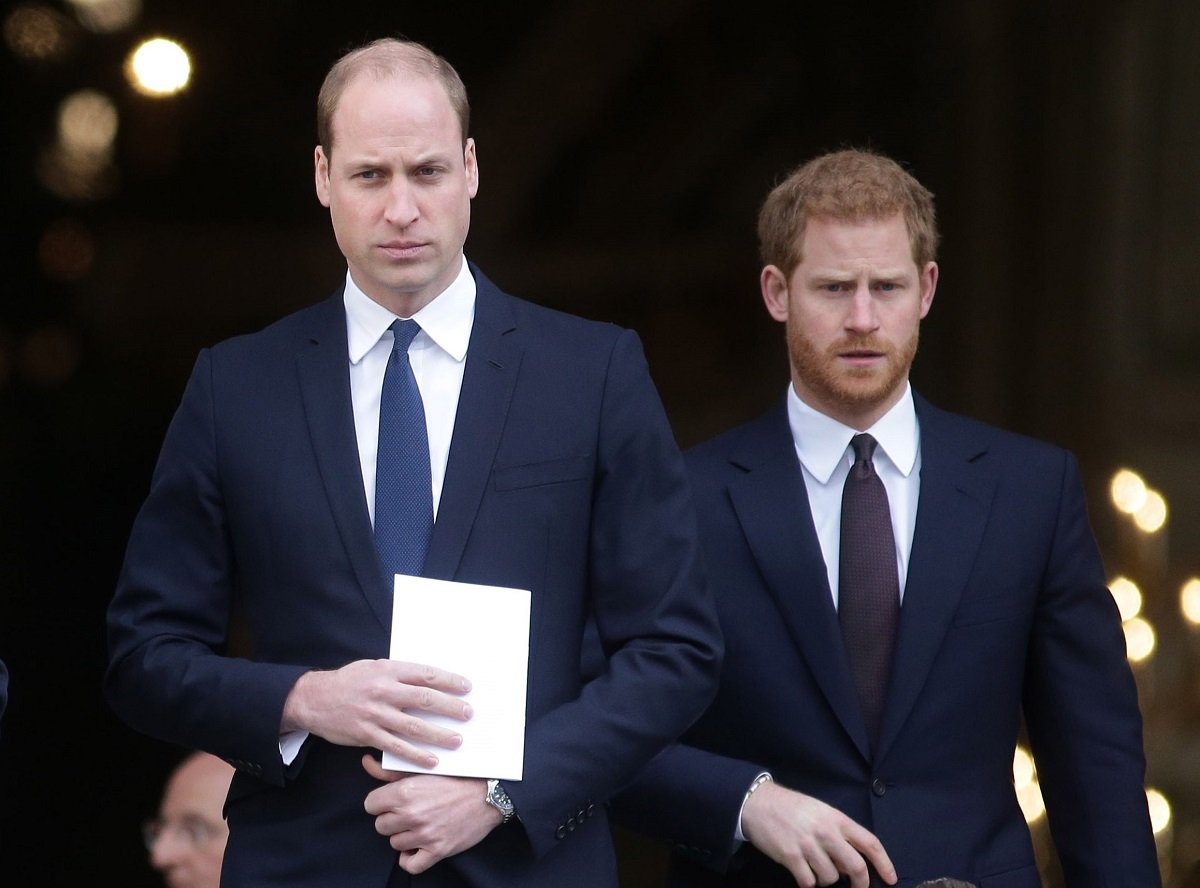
(1082, 713)
(168, 623)
(652, 612)
(691, 799)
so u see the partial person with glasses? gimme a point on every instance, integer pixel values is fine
(187, 839)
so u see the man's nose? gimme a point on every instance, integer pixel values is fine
(862, 317)
(401, 209)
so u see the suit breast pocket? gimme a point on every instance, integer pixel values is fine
(542, 473)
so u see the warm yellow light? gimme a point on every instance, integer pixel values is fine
(159, 67)
(1153, 513)
(87, 122)
(1029, 793)
(1189, 600)
(1029, 797)
(106, 16)
(1160, 810)
(1139, 639)
(1128, 597)
(1128, 490)
(1023, 772)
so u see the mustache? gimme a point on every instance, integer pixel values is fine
(859, 343)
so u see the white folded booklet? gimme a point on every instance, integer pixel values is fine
(481, 633)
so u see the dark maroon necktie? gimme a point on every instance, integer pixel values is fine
(869, 593)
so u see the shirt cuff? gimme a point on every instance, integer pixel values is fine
(290, 743)
(764, 777)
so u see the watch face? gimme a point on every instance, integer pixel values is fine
(498, 798)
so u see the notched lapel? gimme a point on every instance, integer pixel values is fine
(771, 503)
(493, 363)
(957, 486)
(322, 362)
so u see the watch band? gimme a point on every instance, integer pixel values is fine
(498, 798)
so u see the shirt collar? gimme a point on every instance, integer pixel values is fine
(446, 320)
(821, 441)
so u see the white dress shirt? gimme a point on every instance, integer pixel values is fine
(438, 357)
(823, 448)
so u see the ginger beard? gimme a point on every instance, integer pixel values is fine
(854, 389)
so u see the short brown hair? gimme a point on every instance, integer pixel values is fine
(384, 58)
(849, 185)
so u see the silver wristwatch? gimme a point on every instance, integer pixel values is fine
(498, 799)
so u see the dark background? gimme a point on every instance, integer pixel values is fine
(624, 148)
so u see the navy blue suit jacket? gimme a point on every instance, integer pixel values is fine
(1005, 612)
(563, 478)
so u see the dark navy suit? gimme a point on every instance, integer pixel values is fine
(563, 478)
(1005, 612)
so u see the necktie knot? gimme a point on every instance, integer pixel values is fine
(864, 452)
(405, 332)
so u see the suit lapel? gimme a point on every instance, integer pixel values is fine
(322, 363)
(493, 361)
(771, 504)
(957, 485)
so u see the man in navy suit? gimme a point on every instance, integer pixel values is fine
(811, 767)
(551, 467)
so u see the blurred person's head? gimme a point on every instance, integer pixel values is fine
(187, 839)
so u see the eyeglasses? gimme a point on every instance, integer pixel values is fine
(192, 830)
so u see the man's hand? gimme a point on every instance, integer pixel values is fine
(365, 704)
(815, 842)
(428, 817)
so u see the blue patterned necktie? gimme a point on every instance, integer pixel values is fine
(869, 585)
(403, 489)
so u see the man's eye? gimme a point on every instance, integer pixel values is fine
(886, 286)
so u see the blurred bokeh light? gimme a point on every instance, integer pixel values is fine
(106, 16)
(1189, 601)
(1153, 513)
(1029, 793)
(1139, 639)
(159, 68)
(1160, 810)
(1128, 490)
(1128, 597)
(36, 33)
(87, 122)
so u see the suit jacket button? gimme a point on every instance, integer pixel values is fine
(561, 832)
(878, 787)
